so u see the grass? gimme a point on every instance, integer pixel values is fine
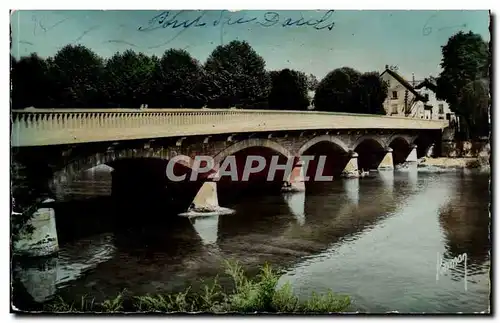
(246, 296)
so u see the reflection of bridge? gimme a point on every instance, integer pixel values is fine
(53, 146)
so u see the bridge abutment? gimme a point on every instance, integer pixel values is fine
(38, 236)
(33, 222)
(387, 162)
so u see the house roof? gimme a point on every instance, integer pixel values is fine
(405, 83)
(429, 83)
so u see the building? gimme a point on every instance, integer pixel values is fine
(402, 98)
(416, 99)
(433, 108)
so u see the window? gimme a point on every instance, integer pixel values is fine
(394, 108)
(441, 108)
(394, 95)
(426, 96)
(441, 117)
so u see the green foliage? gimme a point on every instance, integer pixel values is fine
(373, 92)
(128, 79)
(327, 303)
(113, 305)
(347, 90)
(474, 102)
(77, 74)
(59, 305)
(248, 296)
(466, 59)
(150, 303)
(289, 90)
(178, 81)
(337, 90)
(30, 82)
(285, 301)
(237, 76)
(171, 303)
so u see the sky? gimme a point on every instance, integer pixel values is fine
(318, 43)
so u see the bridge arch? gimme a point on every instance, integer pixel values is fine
(423, 142)
(371, 138)
(251, 143)
(230, 188)
(137, 175)
(401, 148)
(77, 165)
(323, 138)
(330, 153)
(398, 137)
(371, 150)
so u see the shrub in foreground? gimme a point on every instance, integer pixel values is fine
(247, 296)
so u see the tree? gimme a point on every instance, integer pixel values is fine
(128, 79)
(466, 59)
(30, 82)
(312, 82)
(77, 75)
(179, 81)
(373, 93)
(474, 101)
(338, 91)
(289, 90)
(237, 76)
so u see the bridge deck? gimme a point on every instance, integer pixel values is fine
(52, 127)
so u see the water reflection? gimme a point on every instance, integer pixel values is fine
(374, 238)
(387, 177)
(352, 189)
(296, 202)
(42, 278)
(391, 264)
(206, 227)
(465, 224)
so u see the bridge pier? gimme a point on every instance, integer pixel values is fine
(296, 178)
(33, 222)
(351, 169)
(412, 156)
(38, 236)
(387, 162)
(206, 199)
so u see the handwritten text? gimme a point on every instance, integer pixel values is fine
(167, 19)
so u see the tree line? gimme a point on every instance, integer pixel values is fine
(234, 75)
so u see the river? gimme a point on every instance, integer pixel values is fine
(378, 240)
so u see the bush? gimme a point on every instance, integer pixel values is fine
(247, 296)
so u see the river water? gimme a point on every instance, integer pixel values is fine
(379, 240)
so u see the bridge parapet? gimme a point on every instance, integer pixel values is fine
(42, 127)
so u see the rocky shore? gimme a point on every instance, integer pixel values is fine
(456, 163)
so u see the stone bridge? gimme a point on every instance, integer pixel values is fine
(53, 146)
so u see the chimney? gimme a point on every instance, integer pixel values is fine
(386, 66)
(413, 78)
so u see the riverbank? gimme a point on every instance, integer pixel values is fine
(455, 162)
(260, 294)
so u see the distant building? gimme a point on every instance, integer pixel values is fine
(433, 108)
(402, 98)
